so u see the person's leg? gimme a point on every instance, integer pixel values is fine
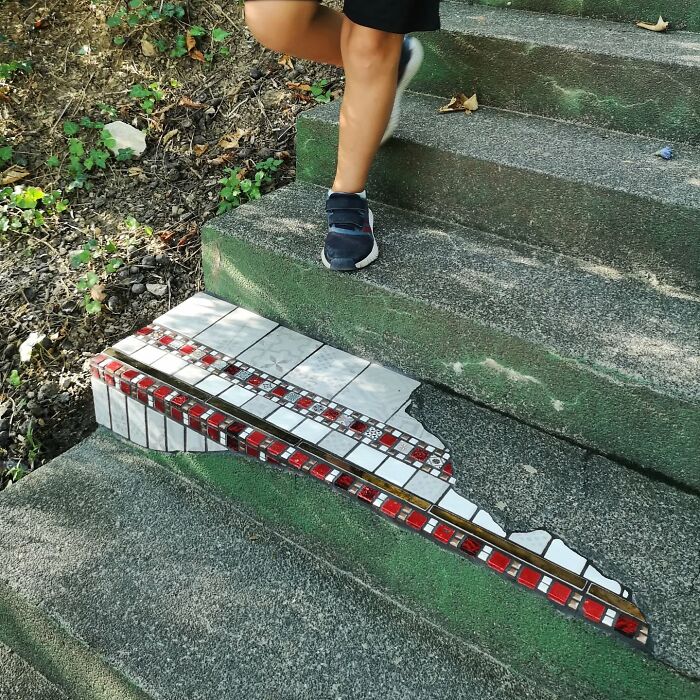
(301, 28)
(371, 62)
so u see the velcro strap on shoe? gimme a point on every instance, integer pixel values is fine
(340, 200)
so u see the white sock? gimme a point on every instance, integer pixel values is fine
(362, 194)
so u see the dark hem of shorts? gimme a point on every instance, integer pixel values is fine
(366, 20)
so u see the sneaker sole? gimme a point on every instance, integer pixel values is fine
(417, 55)
(374, 253)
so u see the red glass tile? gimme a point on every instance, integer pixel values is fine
(187, 349)
(367, 493)
(344, 481)
(419, 454)
(388, 439)
(232, 369)
(417, 520)
(298, 459)
(159, 397)
(142, 389)
(471, 546)
(443, 533)
(305, 402)
(194, 414)
(331, 414)
(146, 330)
(215, 420)
(232, 433)
(166, 340)
(447, 468)
(95, 371)
(208, 359)
(255, 380)
(559, 593)
(391, 507)
(276, 448)
(498, 561)
(175, 404)
(321, 471)
(280, 391)
(593, 610)
(113, 366)
(626, 625)
(256, 438)
(358, 426)
(252, 452)
(529, 577)
(126, 378)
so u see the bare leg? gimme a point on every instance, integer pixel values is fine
(300, 28)
(371, 60)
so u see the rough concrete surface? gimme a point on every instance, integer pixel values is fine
(190, 599)
(19, 681)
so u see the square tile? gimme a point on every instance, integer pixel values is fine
(560, 554)
(337, 443)
(137, 422)
(214, 385)
(396, 472)
(100, 397)
(377, 392)
(175, 435)
(284, 418)
(458, 505)
(237, 395)
(194, 442)
(195, 314)
(311, 431)
(366, 457)
(117, 409)
(236, 331)
(280, 351)
(403, 447)
(129, 345)
(327, 371)
(149, 355)
(192, 375)
(156, 430)
(427, 486)
(260, 406)
(169, 364)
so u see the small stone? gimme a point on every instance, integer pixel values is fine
(148, 260)
(113, 303)
(158, 290)
(256, 73)
(162, 259)
(138, 288)
(4, 438)
(47, 391)
(126, 136)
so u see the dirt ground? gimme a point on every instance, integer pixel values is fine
(133, 223)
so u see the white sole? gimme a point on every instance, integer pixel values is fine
(417, 55)
(374, 253)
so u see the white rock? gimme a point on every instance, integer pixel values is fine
(158, 290)
(126, 136)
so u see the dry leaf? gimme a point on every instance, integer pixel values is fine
(147, 48)
(190, 42)
(98, 292)
(135, 171)
(13, 174)
(460, 103)
(170, 135)
(472, 103)
(286, 61)
(302, 87)
(660, 26)
(223, 159)
(197, 55)
(232, 140)
(200, 149)
(187, 102)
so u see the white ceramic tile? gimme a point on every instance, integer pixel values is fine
(213, 446)
(410, 425)
(169, 364)
(366, 457)
(176, 435)
(285, 419)
(237, 395)
(560, 554)
(457, 504)
(337, 443)
(214, 385)
(236, 331)
(535, 541)
(378, 392)
(280, 351)
(194, 442)
(129, 345)
(100, 397)
(148, 355)
(327, 371)
(395, 471)
(260, 406)
(592, 574)
(488, 523)
(117, 409)
(195, 314)
(192, 375)
(156, 430)
(311, 431)
(137, 422)
(427, 486)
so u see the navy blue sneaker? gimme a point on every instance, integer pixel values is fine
(350, 243)
(411, 59)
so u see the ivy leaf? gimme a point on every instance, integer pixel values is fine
(218, 34)
(70, 128)
(53, 162)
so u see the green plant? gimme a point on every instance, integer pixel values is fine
(34, 448)
(139, 14)
(238, 189)
(91, 284)
(23, 209)
(8, 70)
(148, 95)
(320, 92)
(14, 379)
(16, 473)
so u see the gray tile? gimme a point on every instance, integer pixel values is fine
(410, 425)
(237, 395)
(194, 441)
(592, 574)
(214, 385)
(536, 541)
(100, 397)
(377, 392)
(280, 351)
(395, 471)
(192, 375)
(169, 364)
(129, 345)
(195, 314)
(156, 430)
(149, 355)
(176, 435)
(285, 419)
(337, 443)
(327, 371)
(117, 409)
(213, 446)
(488, 523)
(427, 486)
(137, 422)
(563, 555)
(260, 406)
(311, 431)
(366, 457)
(457, 504)
(236, 332)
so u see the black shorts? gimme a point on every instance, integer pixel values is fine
(395, 16)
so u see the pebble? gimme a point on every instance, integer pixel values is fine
(158, 290)
(138, 288)
(4, 438)
(47, 391)
(162, 259)
(256, 73)
(148, 260)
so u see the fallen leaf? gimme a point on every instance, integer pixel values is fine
(135, 171)
(25, 349)
(197, 55)
(13, 174)
(223, 159)
(170, 135)
(190, 42)
(660, 26)
(286, 61)
(228, 141)
(460, 103)
(187, 102)
(200, 149)
(302, 87)
(147, 48)
(98, 292)
(472, 103)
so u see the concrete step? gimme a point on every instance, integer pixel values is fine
(682, 14)
(584, 70)
(582, 351)
(243, 580)
(597, 194)
(20, 681)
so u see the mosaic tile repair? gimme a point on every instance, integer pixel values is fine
(243, 383)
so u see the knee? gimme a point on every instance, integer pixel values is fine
(272, 29)
(370, 49)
